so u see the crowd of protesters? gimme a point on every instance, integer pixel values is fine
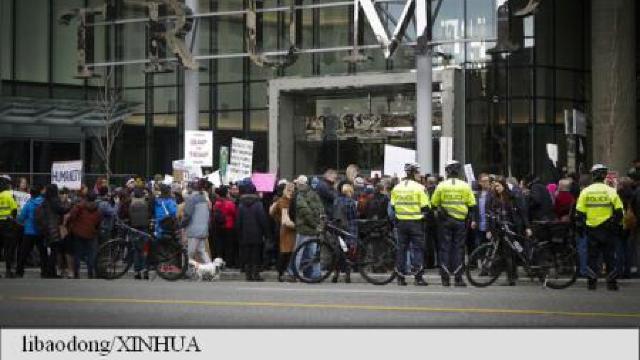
(255, 231)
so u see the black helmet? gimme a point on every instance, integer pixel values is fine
(411, 167)
(452, 168)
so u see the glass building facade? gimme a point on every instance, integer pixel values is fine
(514, 105)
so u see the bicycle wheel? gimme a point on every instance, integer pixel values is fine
(314, 260)
(113, 259)
(489, 266)
(558, 266)
(171, 260)
(377, 261)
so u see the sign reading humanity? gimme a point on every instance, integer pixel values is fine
(67, 174)
(241, 161)
(198, 147)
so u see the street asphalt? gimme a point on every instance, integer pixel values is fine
(35, 302)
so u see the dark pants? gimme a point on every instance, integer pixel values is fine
(602, 241)
(284, 259)
(225, 247)
(251, 256)
(453, 235)
(510, 266)
(26, 247)
(85, 249)
(9, 239)
(431, 246)
(410, 235)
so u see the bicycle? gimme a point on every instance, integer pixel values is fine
(374, 256)
(552, 261)
(166, 255)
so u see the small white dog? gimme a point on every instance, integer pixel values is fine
(207, 272)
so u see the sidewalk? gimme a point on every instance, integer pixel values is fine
(431, 275)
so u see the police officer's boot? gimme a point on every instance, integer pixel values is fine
(592, 284)
(460, 282)
(401, 281)
(612, 285)
(420, 281)
(445, 281)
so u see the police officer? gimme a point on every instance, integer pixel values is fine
(8, 211)
(599, 216)
(410, 204)
(456, 203)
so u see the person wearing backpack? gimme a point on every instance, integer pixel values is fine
(224, 218)
(32, 235)
(165, 212)
(139, 214)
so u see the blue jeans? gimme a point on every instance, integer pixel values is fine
(308, 253)
(85, 249)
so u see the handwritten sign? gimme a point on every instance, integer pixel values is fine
(469, 174)
(263, 182)
(67, 174)
(241, 162)
(198, 147)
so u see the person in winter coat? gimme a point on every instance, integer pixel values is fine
(252, 226)
(326, 190)
(138, 212)
(309, 213)
(53, 211)
(539, 202)
(195, 220)
(505, 205)
(84, 221)
(346, 216)
(280, 213)
(165, 212)
(109, 211)
(224, 218)
(32, 235)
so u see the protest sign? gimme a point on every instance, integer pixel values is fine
(263, 182)
(198, 147)
(67, 174)
(241, 162)
(394, 159)
(552, 152)
(446, 152)
(469, 174)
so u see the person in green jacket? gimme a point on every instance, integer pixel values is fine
(309, 211)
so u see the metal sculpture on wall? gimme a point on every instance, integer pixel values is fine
(166, 34)
(169, 23)
(85, 36)
(263, 59)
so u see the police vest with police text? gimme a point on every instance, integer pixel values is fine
(598, 202)
(408, 198)
(455, 197)
(7, 204)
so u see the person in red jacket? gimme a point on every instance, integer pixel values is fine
(564, 201)
(224, 218)
(84, 222)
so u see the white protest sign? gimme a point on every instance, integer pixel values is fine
(446, 152)
(469, 174)
(198, 147)
(552, 151)
(21, 198)
(215, 179)
(394, 159)
(241, 160)
(67, 174)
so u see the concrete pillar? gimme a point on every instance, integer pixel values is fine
(191, 81)
(613, 78)
(424, 89)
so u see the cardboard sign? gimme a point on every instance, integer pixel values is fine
(263, 182)
(468, 172)
(394, 159)
(240, 166)
(198, 147)
(67, 174)
(552, 152)
(215, 178)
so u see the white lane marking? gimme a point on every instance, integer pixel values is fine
(351, 291)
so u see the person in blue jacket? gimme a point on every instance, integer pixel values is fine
(32, 235)
(165, 206)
